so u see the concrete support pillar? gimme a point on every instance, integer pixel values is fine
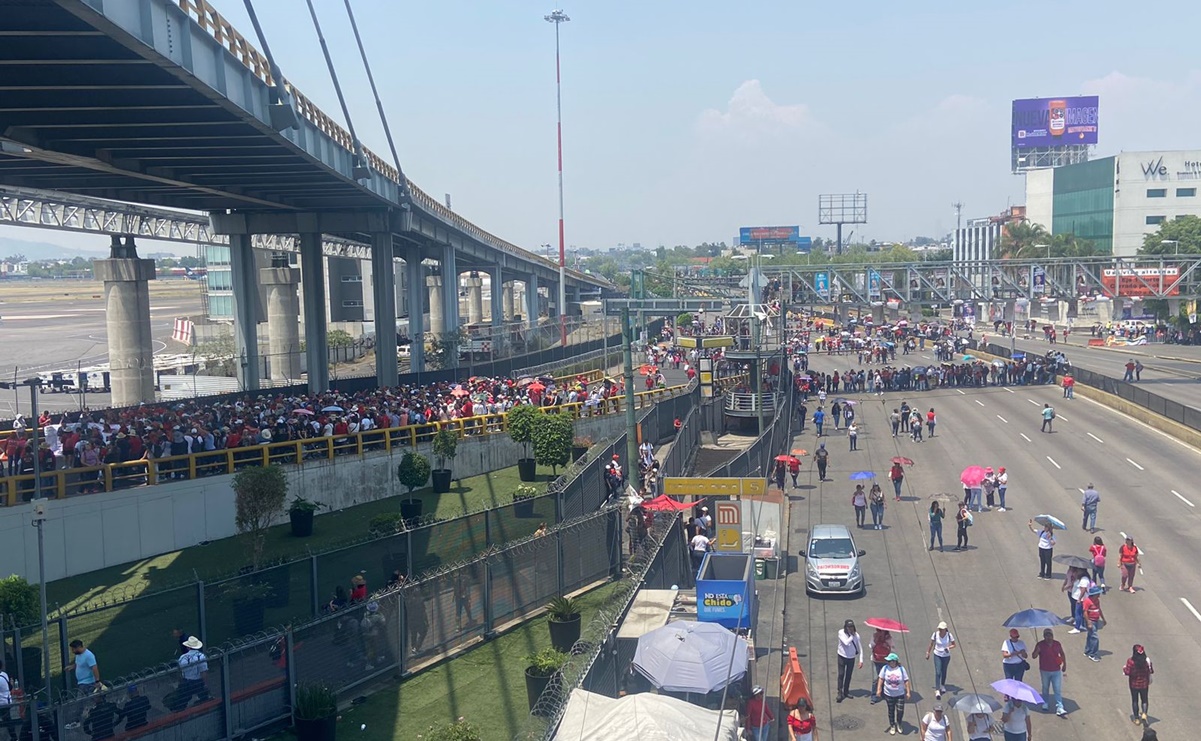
(127, 319)
(507, 301)
(531, 301)
(475, 298)
(498, 310)
(383, 290)
(312, 270)
(245, 277)
(414, 275)
(283, 326)
(450, 290)
(437, 305)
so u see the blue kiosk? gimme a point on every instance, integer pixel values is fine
(725, 591)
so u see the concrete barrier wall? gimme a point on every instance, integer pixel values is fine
(94, 531)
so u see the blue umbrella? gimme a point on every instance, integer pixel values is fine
(1051, 520)
(1033, 618)
(1017, 690)
(860, 475)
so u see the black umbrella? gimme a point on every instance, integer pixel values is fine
(1074, 562)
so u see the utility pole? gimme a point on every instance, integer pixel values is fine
(958, 206)
(558, 17)
(627, 354)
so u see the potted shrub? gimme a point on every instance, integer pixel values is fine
(580, 447)
(413, 472)
(301, 512)
(259, 496)
(523, 500)
(521, 421)
(460, 730)
(20, 606)
(543, 665)
(564, 621)
(552, 441)
(388, 523)
(249, 596)
(446, 444)
(315, 716)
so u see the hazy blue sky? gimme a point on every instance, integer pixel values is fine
(685, 120)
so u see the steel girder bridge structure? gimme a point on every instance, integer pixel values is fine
(944, 283)
(164, 103)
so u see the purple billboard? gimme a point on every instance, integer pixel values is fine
(1052, 122)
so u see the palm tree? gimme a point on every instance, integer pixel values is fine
(1019, 239)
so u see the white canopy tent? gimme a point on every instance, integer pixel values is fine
(644, 716)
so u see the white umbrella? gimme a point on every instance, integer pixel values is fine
(972, 704)
(688, 656)
(333, 409)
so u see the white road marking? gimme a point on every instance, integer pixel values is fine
(978, 402)
(1124, 536)
(1025, 438)
(1095, 437)
(1191, 609)
(1032, 401)
(1053, 463)
(1135, 465)
(1007, 389)
(1002, 419)
(1060, 416)
(1182, 498)
(959, 390)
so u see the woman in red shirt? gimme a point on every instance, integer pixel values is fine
(1128, 559)
(1138, 670)
(802, 725)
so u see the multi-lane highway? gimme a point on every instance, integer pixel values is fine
(1146, 483)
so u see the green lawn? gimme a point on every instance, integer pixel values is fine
(486, 686)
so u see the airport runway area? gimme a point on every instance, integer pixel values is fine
(1144, 480)
(55, 325)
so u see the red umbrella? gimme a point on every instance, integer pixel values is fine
(903, 460)
(664, 503)
(972, 476)
(786, 459)
(536, 387)
(459, 392)
(800, 451)
(893, 626)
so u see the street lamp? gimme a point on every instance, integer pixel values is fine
(558, 17)
(1174, 242)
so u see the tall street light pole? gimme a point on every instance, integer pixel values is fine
(558, 17)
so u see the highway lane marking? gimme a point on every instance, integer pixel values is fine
(1008, 389)
(1053, 463)
(1191, 609)
(1095, 437)
(1182, 498)
(1025, 438)
(1032, 401)
(961, 392)
(1135, 465)
(1060, 416)
(978, 402)
(1004, 420)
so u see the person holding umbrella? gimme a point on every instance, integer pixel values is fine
(1138, 672)
(794, 468)
(897, 475)
(859, 502)
(881, 647)
(1046, 546)
(978, 710)
(875, 500)
(892, 684)
(1015, 720)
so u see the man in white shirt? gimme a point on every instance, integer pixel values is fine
(1013, 655)
(697, 550)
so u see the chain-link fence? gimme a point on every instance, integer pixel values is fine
(247, 685)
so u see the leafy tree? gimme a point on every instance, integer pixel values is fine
(1182, 234)
(446, 445)
(413, 471)
(684, 320)
(219, 353)
(552, 440)
(443, 349)
(339, 338)
(19, 602)
(259, 496)
(521, 421)
(1020, 240)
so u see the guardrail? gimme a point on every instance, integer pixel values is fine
(64, 482)
(750, 403)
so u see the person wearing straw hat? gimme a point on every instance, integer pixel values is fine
(193, 667)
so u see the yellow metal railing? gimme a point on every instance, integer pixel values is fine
(64, 482)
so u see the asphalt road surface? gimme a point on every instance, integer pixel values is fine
(1143, 477)
(55, 325)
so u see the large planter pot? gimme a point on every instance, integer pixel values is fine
(249, 615)
(564, 633)
(441, 479)
(527, 469)
(535, 685)
(523, 506)
(280, 581)
(32, 658)
(302, 522)
(578, 452)
(410, 510)
(316, 729)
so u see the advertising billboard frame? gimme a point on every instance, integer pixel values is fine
(1054, 122)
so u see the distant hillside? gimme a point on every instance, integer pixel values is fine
(35, 250)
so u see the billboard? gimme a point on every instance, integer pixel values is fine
(1052, 122)
(1141, 281)
(769, 235)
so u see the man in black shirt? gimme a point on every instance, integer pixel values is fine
(135, 709)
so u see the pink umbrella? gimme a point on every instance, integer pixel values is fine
(972, 476)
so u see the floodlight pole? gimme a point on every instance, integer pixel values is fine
(558, 17)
